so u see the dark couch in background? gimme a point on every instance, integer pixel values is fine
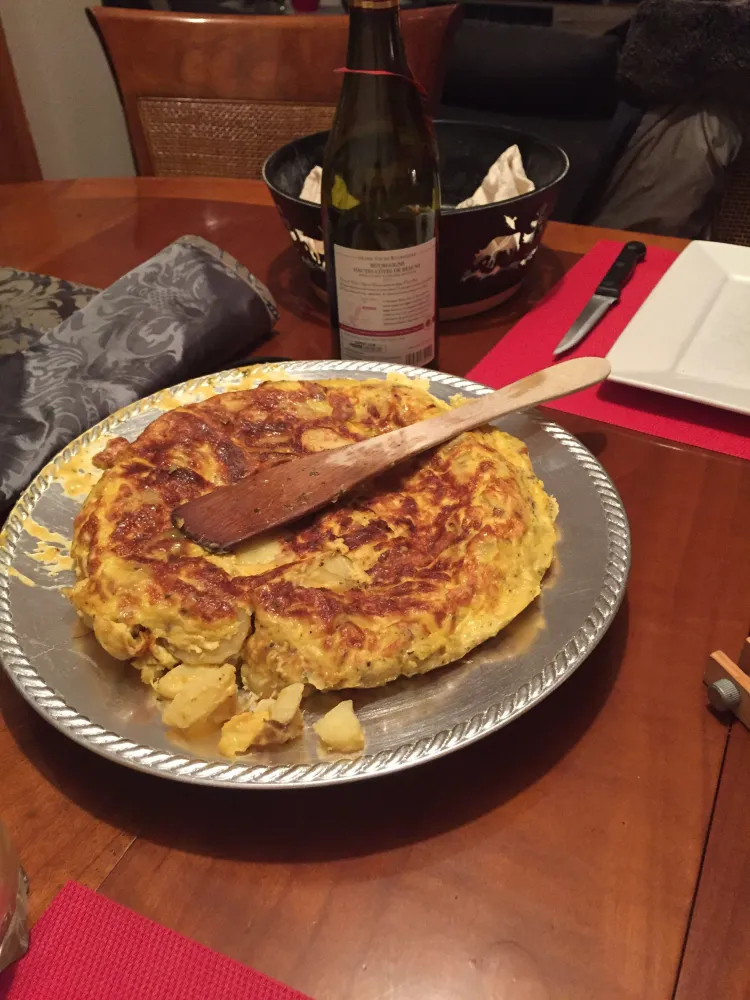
(557, 84)
(676, 160)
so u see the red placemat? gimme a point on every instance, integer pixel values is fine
(85, 947)
(528, 346)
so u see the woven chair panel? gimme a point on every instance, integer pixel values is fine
(732, 224)
(213, 138)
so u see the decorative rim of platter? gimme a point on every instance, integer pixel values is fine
(183, 767)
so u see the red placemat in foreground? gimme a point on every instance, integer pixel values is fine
(85, 947)
(528, 346)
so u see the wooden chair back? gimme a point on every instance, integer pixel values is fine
(214, 95)
(732, 222)
(18, 159)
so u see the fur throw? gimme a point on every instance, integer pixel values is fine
(688, 52)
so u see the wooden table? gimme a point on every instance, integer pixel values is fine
(580, 853)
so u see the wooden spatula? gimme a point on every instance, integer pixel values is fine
(228, 515)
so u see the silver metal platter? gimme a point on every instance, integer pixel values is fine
(102, 704)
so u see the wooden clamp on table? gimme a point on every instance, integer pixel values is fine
(729, 684)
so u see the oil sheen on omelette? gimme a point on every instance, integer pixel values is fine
(405, 576)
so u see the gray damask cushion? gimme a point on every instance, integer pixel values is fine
(31, 303)
(188, 311)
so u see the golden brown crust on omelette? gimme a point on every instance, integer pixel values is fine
(410, 574)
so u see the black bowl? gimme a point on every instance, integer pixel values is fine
(483, 252)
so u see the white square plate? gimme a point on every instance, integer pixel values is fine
(691, 337)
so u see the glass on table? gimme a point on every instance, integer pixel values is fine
(14, 934)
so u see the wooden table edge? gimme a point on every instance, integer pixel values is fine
(565, 236)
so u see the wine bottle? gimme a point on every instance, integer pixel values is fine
(381, 200)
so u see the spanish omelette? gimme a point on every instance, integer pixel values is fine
(406, 576)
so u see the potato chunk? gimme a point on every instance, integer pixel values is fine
(274, 721)
(179, 677)
(242, 731)
(286, 704)
(340, 730)
(197, 696)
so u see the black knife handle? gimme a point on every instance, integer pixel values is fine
(618, 275)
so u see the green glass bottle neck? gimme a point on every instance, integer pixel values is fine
(375, 37)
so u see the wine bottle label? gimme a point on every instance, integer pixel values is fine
(373, 4)
(386, 303)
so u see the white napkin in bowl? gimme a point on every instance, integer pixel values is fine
(311, 188)
(505, 179)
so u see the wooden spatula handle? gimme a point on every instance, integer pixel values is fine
(380, 453)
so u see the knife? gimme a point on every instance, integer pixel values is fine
(606, 295)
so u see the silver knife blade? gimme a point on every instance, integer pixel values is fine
(592, 312)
